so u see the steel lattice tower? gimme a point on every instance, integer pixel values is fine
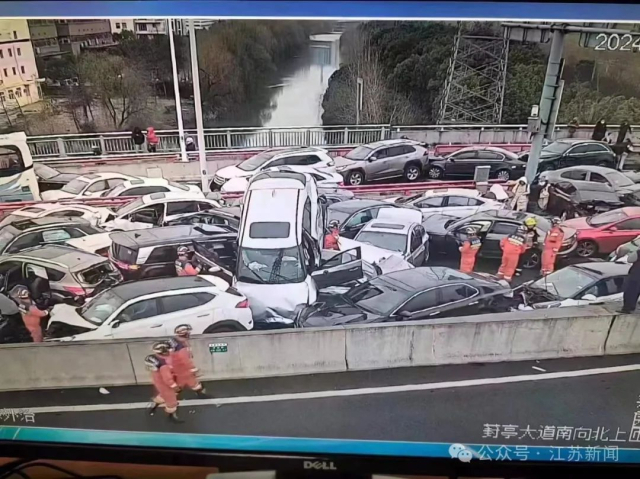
(474, 90)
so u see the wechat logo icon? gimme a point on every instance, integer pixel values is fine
(458, 451)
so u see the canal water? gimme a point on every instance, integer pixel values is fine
(296, 100)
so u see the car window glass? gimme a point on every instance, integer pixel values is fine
(69, 213)
(503, 228)
(407, 149)
(302, 160)
(98, 186)
(395, 151)
(26, 241)
(306, 215)
(52, 236)
(278, 162)
(490, 155)
(382, 153)
(162, 254)
(575, 175)
(456, 292)
(425, 300)
(579, 149)
(54, 274)
(73, 232)
(144, 190)
(435, 202)
(148, 215)
(179, 302)
(202, 206)
(362, 217)
(474, 202)
(179, 207)
(416, 240)
(630, 224)
(146, 308)
(465, 155)
(113, 182)
(457, 201)
(598, 178)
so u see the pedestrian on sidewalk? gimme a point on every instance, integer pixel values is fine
(164, 381)
(469, 251)
(573, 126)
(152, 140)
(513, 246)
(599, 130)
(184, 369)
(138, 139)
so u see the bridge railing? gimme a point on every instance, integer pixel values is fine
(63, 146)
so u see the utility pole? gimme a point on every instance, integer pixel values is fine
(176, 91)
(551, 91)
(204, 174)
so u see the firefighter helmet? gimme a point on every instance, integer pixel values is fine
(184, 330)
(161, 347)
(182, 250)
(530, 222)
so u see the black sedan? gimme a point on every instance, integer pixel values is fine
(352, 215)
(505, 165)
(572, 152)
(447, 233)
(50, 178)
(410, 294)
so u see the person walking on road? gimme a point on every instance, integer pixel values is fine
(164, 381)
(190, 145)
(512, 248)
(469, 251)
(622, 146)
(520, 198)
(31, 314)
(138, 139)
(552, 244)
(182, 360)
(332, 239)
(600, 130)
(184, 266)
(573, 126)
(152, 140)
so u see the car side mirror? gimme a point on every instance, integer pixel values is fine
(452, 160)
(613, 229)
(372, 158)
(589, 297)
(115, 324)
(405, 314)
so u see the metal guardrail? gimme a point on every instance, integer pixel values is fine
(119, 143)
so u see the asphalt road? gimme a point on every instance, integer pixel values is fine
(417, 404)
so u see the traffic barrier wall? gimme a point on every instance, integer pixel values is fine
(522, 335)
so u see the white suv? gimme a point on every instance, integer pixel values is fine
(152, 308)
(302, 156)
(158, 208)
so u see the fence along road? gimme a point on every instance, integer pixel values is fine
(119, 143)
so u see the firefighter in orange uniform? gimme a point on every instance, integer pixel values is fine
(31, 314)
(512, 247)
(163, 378)
(182, 360)
(469, 251)
(332, 240)
(552, 244)
(183, 266)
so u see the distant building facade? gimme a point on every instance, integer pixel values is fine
(119, 25)
(76, 35)
(150, 27)
(19, 79)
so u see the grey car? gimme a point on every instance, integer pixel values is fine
(383, 160)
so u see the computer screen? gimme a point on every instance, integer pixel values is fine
(382, 229)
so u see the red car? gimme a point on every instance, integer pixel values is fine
(601, 234)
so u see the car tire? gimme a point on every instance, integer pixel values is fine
(355, 178)
(225, 327)
(586, 249)
(435, 173)
(412, 172)
(503, 175)
(531, 259)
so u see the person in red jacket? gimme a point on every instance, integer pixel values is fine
(31, 314)
(552, 244)
(185, 267)
(332, 240)
(469, 251)
(152, 140)
(182, 360)
(512, 247)
(164, 381)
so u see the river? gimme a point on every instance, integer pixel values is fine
(297, 97)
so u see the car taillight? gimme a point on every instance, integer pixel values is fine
(75, 290)
(243, 304)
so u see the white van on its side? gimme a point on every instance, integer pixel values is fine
(279, 245)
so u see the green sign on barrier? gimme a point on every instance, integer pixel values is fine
(218, 348)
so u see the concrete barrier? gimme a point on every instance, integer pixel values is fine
(523, 335)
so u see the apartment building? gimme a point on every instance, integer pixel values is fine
(19, 79)
(150, 27)
(76, 35)
(44, 38)
(119, 25)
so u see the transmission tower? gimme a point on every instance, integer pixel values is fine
(474, 90)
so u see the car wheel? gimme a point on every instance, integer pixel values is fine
(412, 172)
(531, 260)
(586, 249)
(222, 328)
(355, 178)
(503, 175)
(435, 172)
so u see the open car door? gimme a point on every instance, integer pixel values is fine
(339, 268)
(211, 262)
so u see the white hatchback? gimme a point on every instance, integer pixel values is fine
(87, 186)
(458, 202)
(153, 308)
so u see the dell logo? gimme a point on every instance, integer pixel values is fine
(320, 465)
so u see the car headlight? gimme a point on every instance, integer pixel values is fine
(341, 168)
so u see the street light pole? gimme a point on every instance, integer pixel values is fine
(204, 175)
(176, 91)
